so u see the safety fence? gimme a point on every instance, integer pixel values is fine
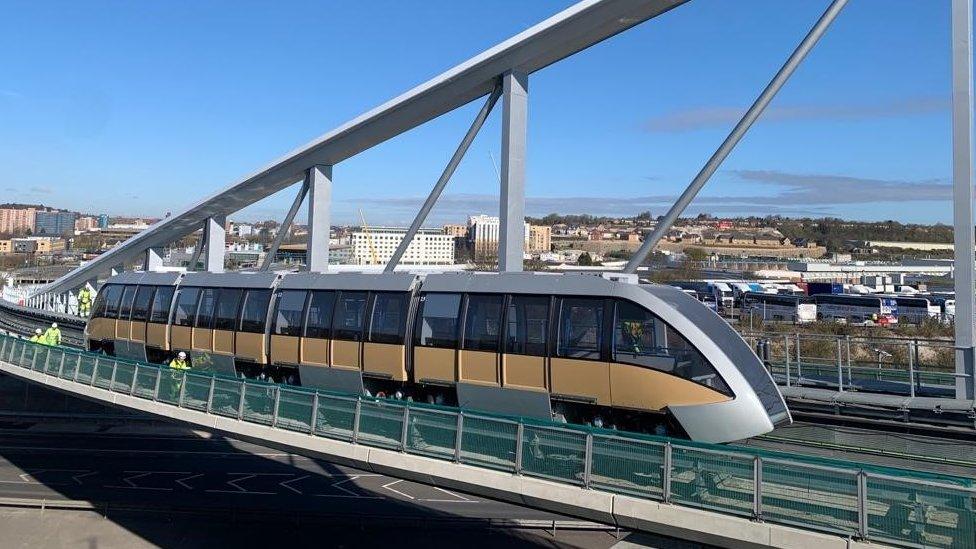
(913, 367)
(901, 507)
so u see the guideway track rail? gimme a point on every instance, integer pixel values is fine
(852, 500)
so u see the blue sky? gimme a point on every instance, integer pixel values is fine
(143, 107)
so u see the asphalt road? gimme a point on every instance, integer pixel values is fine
(166, 485)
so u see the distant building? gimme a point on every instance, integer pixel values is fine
(17, 220)
(483, 233)
(103, 221)
(86, 223)
(32, 245)
(54, 223)
(457, 231)
(540, 239)
(429, 247)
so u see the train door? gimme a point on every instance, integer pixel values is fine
(579, 370)
(105, 312)
(526, 341)
(184, 313)
(202, 334)
(436, 338)
(286, 326)
(384, 352)
(125, 311)
(140, 314)
(478, 360)
(250, 341)
(347, 329)
(314, 346)
(157, 329)
(225, 318)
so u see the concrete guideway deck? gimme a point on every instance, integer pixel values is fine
(718, 490)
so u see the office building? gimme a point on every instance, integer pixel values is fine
(376, 247)
(16, 220)
(54, 223)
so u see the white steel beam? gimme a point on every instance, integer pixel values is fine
(574, 29)
(962, 193)
(319, 218)
(285, 226)
(511, 229)
(215, 235)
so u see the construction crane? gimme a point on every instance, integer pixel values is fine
(369, 239)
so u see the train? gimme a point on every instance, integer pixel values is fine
(598, 349)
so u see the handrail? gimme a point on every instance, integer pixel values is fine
(880, 503)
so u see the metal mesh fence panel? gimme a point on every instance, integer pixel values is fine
(918, 514)
(632, 467)
(53, 361)
(712, 480)
(196, 391)
(145, 381)
(86, 368)
(170, 382)
(103, 373)
(41, 355)
(554, 454)
(380, 424)
(814, 497)
(259, 403)
(124, 376)
(488, 442)
(431, 433)
(336, 417)
(226, 397)
(70, 365)
(295, 410)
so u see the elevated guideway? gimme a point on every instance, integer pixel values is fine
(728, 495)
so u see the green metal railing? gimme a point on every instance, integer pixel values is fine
(901, 507)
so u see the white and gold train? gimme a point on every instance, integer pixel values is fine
(588, 348)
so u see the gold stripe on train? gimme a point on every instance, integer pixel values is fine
(345, 354)
(157, 335)
(223, 342)
(284, 349)
(385, 359)
(202, 339)
(646, 389)
(137, 331)
(122, 329)
(314, 351)
(587, 379)
(432, 363)
(250, 346)
(181, 338)
(524, 372)
(478, 367)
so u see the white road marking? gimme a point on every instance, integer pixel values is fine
(352, 494)
(77, 478)
(461, 499)
(287, 484)
(30, 477)
(139, 474)
(242, 478)
(388, 485)
(181, 481)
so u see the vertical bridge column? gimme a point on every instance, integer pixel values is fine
(962, 193)
(215, 236)
(511, 231)
(153, 260)
(319, 180)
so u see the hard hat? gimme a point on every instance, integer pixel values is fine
(37, 331)
(54, 324)
(182, 354)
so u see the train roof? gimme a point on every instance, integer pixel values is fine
(380, 282)
(260, 280)
(146, 278)
(521, 283)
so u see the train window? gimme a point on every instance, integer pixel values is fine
(186, 306)
(580, 328)
(109, 305)
(388, 318)
(208, 298)
(318, 324)
(225, 313)
(437, 323)
(254, 313)
(161, 304)
(349, 313)
(125, 307)
(528, 325)
(643, 339)
(289, 309)
(481, 322)
(140, 307)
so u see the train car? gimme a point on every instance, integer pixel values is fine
(781, 307)
(858, 309)
(602, 350)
